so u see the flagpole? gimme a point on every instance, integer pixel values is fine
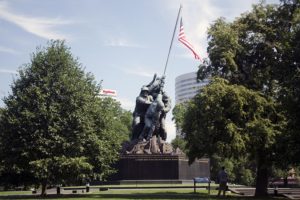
(172, 40)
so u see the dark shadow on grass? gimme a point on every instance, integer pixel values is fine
(156, 195)
(49, 196)
(174, 195)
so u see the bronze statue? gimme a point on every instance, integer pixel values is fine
(148, 126)
(143, 101)
(152, 117)
(150, 111)
(166, 108)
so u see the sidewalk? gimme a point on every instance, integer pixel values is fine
(291, 193)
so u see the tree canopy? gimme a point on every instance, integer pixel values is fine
(232, 121)
(178, 114)
(260, 50)
(54, 128)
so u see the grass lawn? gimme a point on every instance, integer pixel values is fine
(152, 185)
(159, 194)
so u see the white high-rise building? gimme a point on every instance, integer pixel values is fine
(186, 87)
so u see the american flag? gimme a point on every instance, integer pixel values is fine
(183, 40)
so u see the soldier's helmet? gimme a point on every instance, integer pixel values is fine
(165, 97)
(145, 88)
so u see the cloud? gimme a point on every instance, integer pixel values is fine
(171, 129)
(140, 71)
(126, 103)
(189, 55)
(8, 50)
(42, 27)
(121, 42)
(8, 71)
(2, 93)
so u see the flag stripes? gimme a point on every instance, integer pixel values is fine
(183, 40)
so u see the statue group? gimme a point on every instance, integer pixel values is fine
(149, 116)
(149, 132)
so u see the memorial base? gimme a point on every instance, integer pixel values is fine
(159, 167)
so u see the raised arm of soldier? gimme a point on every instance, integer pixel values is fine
(156, 86)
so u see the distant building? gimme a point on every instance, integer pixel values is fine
(186, 87)
(108, 93)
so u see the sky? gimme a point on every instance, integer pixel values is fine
(122, 42)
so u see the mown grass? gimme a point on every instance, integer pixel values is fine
(121, 194)
(151, 185)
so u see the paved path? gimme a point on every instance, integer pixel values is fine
(291, 193)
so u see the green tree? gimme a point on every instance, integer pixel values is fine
(178, 114)
(260, 50)
(240, 170)
(119, 119)
(289, 79)
(179, 142)
(54, 127)
(251, 50)
(232, 121)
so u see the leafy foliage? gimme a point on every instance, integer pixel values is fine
(260, 50)
(54, 128)
(223, 115)
(240, 171)
(179, 142)
(232, 121)
(178, 114)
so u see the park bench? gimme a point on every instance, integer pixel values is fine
(202, 180)
(77, 189)
(19, 188)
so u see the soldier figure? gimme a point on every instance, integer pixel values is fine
(167, 107)
(143, 101)
(152, 118)
(150, 112)
(156, 85)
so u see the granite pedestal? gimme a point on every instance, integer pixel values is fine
(159, 167)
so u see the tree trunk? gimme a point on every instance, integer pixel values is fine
(262, 178)
(44, 188)
(285, 182)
